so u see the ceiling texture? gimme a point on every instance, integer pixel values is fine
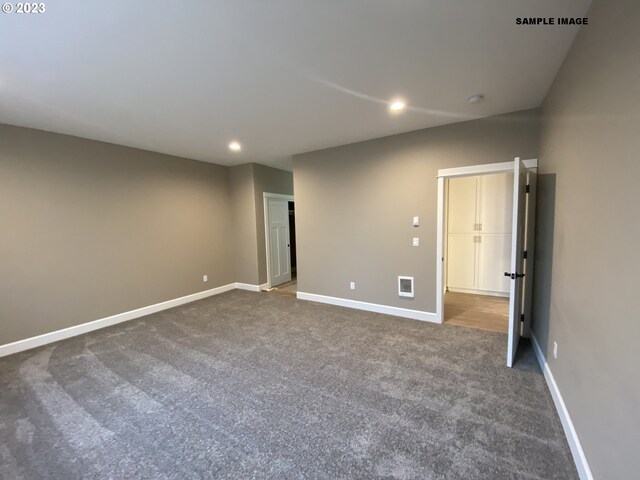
(280, 76)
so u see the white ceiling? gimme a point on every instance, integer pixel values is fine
(280, 76)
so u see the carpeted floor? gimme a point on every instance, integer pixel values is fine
(251, 385)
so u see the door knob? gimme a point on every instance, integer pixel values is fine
(513, 276)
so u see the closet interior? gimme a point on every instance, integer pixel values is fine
(478, 249)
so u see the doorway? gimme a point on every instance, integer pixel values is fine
(280, 243)
(487, 280)
(478, 223)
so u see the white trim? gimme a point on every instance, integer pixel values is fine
(440, 254)
(57, 335)
(277, 195)
(264, 286)
(584, 472)
(486, 169)
(265, 206)
(247, 286)
(370, 307)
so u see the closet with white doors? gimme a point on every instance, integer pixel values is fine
(479, 219)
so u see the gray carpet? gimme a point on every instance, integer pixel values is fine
(252, 385)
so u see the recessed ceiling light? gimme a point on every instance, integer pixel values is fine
(475, 98)
(235, 146)
(397, 105)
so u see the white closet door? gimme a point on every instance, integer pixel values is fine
(279, 248)
(494, 258)
(461, 268)
(516, 291)
(462, 204)
(495, 203)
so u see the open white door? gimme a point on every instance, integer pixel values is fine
(516, 274)
(279, 248)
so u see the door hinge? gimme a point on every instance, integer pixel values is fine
(528, 189)
(524, 255)
(522, 317)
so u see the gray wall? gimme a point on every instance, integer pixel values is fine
(244, 223)
(355, 203)
(588, 301)
(91, 229)
(248, 183)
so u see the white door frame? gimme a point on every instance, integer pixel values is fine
(265, 198)
(444, 174)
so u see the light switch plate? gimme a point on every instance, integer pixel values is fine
(416, 221)
(416, 242)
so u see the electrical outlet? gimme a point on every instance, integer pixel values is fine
(205, 278)
(416, 242)
(352, 285)
(555, 349)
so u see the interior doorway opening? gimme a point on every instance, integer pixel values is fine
(280, 243)
(522, 243)
(478, 238)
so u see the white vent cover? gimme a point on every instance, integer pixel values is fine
(405, 286)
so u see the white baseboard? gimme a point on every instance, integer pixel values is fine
(247, 286)
(264, 286)
(479, 292)
(370, 307)
(569, 430)
(51, 337)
